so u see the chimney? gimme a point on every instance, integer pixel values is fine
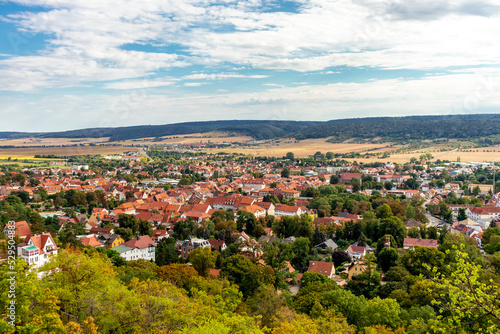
(387, 242)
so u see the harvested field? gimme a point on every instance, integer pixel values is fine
(51, 141)
(29, 153)
(301, 148)
(212, 137)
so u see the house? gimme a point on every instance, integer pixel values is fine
(91, 241)
(289, 210)
(483, 215)
(188, 245)
(323, 268)
(158, 235)
(356, 252)
(483, 188)
(269, 207)
(347, 177)
(110, 240)
(218, 245)
(328, 243)
(22, 229)
(37, 249)
(411, 243)
(141, 247)
(355, 269)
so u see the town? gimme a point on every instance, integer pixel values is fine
(258, 222)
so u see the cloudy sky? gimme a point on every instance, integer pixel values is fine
(69, 64)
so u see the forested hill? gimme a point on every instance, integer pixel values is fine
(257, 129)
(414, 127)
(388, 128)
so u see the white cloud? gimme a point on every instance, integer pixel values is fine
(472, 92)
(220, 76)
(228, 39)
(138, 84)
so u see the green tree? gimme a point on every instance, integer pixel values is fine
(473, 304)
(165, 252)
(461, 214)
(334, 179)
(387, 258)
(356, 184)
(422, 260)
(145, 228)
(384, 211)
(203, 259)
(285, 173)
(248, 276)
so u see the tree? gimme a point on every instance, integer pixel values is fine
(388, 185)
(290, 156)
(203, 259)
(285, 173)
(467, 302)
(356, 184)
(330, 155)
(461, 214)
(384, 211)
(145, 227)
(23, 195)
(246, 219)
(339, 257)
(300, 250)
(422, 260)
(165, 252)
(387, 258)
(318, 236)
(381, 243)
(249, 277)
(176, 273)
(334, 179)
(412, 184)
(309, 278)
(128, 221)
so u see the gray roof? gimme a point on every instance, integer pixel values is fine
(327, 243)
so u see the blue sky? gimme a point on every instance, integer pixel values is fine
(69, 64)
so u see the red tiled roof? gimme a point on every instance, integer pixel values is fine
(320, 267)
(22, 228)
(142, 241)
(412, 242)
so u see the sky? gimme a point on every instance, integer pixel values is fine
(72, 64)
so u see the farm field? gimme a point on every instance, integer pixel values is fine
(30, 152)
(212, 137)
(301, 148)
(51, 141)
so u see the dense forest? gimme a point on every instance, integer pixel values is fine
(467, 127)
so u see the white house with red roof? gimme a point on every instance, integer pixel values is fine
(289, 210)
(140, 247)
(356, 252)
(483, 215)
(37, 249)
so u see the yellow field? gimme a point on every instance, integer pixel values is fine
(301, 148)
(212, 137)
(308, 147)
(51, 141)
(481, 154)
(29, 153)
